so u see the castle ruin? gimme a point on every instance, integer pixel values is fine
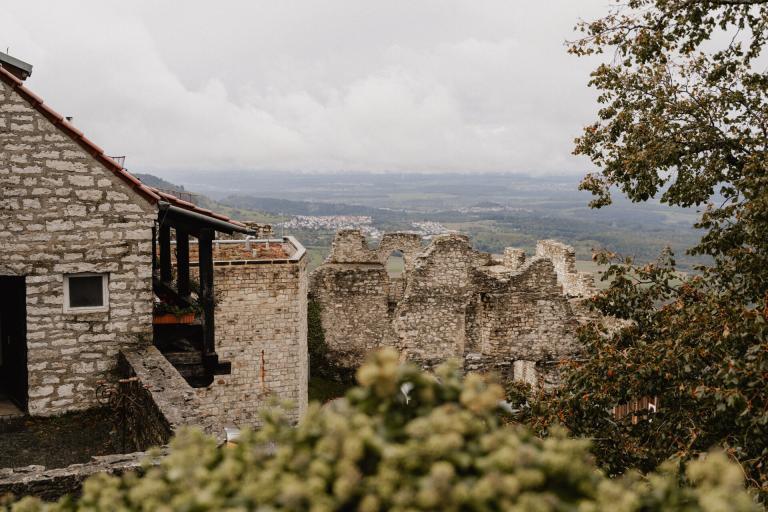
(510, 315)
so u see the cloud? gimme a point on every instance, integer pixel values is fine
(315, 86)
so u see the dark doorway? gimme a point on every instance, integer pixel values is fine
(13, 340)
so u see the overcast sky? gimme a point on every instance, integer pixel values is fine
(314, 85)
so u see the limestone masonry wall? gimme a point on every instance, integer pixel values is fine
(563, 257)
(62, 212)
(161, 403)
(261, 328)
(510, 315)
(161, 400)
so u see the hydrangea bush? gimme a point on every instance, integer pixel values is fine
(402, 440)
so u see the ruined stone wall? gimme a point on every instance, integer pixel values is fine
(350, 246)
(521, 315)
(563, 257)
(52, 484)
(409, 244)
(355, 311)
(509, 316)
(430, 321)
(62, 212)
(261, 328)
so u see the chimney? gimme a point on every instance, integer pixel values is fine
(17, 68)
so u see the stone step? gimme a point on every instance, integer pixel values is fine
(11, 417)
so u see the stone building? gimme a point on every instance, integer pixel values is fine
(509, 315)
(88, 253)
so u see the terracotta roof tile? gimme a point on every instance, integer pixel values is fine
(150, 193)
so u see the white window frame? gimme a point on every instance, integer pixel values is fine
(105, 293)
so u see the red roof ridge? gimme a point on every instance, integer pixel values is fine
(152, 194)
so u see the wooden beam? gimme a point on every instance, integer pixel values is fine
(165, 253)
(205, 246)
(182, 263)
(154, 250)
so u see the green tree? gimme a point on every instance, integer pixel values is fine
(683, 118)
(402, 440)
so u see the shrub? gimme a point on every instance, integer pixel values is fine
(403, 440)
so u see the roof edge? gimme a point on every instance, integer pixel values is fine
(151, 194)
(77, 136)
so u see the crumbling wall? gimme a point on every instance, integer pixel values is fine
(355, 312)
(261, 328)
(430, 321)
(513, 258)
(510, 316)
(408, 244)
(574, 283)
(350, 246)
(521, 315)
(63, 212)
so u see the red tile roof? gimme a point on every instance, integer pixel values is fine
(149, 193)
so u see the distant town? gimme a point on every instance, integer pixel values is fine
(427, 229)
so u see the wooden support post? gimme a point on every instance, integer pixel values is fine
(154, 250)
(182, 263)
(205, 244)
(165, 253)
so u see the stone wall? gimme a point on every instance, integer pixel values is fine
(350, 246)
(261, 328)
(61, 212)
(511, 316)
(355, 311)
(161, 402)
(563, 257)
(408, 244)
(52, 484)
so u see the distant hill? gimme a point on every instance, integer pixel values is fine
(251, 214)
(291, 207)
(154, 181)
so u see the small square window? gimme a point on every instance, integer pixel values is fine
(86, 293)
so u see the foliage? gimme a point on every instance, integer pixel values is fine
(684, 116)
(704, 356)
(163, 308)
(402, 440)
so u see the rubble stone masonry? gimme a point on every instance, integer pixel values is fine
(62, 212)
(508, 315)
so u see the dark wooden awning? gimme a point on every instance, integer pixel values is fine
(188, 223)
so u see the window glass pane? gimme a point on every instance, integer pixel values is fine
(85, 292)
